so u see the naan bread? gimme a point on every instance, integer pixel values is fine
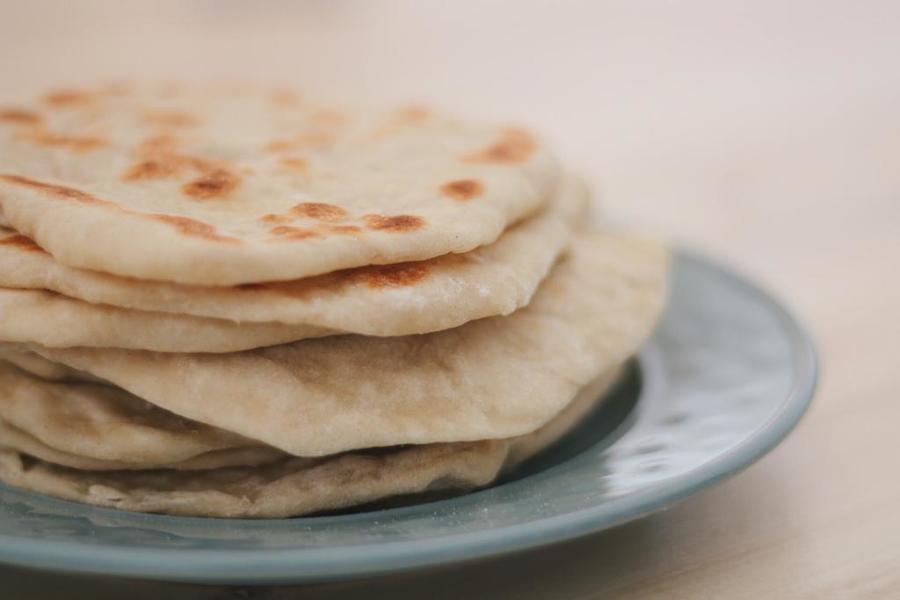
(57, 321)
(493, 378)
(223, 187)
(299, 486)
(388, 300)
(13, 438)
(88, 425)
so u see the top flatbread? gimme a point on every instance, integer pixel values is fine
(388, 300)
(222, 187)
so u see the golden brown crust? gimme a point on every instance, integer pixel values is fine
(194, 228)
(216, 183)
(67, 97)
(399, 223)
(462, 190)
(19, 116)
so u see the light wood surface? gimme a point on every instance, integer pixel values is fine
(766, 133)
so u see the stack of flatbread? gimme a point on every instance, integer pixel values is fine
(243, 303)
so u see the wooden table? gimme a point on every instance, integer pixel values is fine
(767, 134)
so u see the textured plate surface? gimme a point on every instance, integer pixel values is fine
(726, 376)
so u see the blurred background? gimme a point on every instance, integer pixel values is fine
(764, 132)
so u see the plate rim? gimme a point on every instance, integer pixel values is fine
(306, 564)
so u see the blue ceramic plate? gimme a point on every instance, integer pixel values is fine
(726, 376)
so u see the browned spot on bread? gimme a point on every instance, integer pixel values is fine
(294, 163)
(162, 164)
(462, 189)
(15, 115)
(272, 219)
(22, 242)
(170, 118)
(311, 210)
(185, 225)
(396, 275)
(318, 210)
(67, 98)
(58, 190)
(154, 168)
(394, 223)
(214, 184)
(158, 159)
(342, 229)
(286, 232)
(192, 227)
(515, 146)
(76, 143)
(309, 139)
(375, 276)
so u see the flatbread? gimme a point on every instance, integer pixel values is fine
(296, 486)
(96, 426)
(493, 378)
(57, 321)
(13, 438)
(223, 187)
(390, 300)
